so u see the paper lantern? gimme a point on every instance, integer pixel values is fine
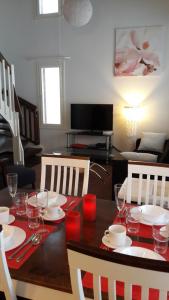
(77, 12)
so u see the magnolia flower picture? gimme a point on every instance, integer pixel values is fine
(138, 51)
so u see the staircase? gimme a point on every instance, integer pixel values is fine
(22, 116)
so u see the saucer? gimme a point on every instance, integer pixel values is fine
(128, 242)
(17, 238)
(10, 220)
(48, 217)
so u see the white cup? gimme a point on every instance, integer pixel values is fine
(4, 215)
(116, 234)
(54, 211)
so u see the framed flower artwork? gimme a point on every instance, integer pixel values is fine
(139, 51)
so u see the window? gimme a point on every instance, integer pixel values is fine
(51, 79)
(48, 7)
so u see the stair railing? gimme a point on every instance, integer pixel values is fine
(9, 107)
(29, 121)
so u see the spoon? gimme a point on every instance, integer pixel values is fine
(35, 241)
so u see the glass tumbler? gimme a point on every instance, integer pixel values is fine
(160, 235)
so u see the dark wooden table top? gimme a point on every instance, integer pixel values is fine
(48, 265)
(50, 259)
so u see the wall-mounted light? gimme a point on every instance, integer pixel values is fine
(132, 115)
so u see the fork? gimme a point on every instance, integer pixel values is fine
(69, 205)
(35, 241)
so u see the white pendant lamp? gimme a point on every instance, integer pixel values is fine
(77, 12)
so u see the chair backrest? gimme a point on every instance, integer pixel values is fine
(63, 174)
(116, 267)
(148, 183)
(5, 278)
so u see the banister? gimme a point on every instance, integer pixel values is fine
(6, 62)
(29, 121)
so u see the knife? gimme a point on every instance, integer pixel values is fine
(22, 246)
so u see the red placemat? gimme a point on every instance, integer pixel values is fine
(144, 230)
(24, 225)
(76, 202)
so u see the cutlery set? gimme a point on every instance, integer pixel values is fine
(33, 240)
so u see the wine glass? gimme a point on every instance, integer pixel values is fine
(119, 192)
(12, 183)
(42, 203)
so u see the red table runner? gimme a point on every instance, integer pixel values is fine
(146, 232)
(51, 228)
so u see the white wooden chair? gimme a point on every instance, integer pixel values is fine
(5, 278)
(147, 183)
(131, 270)
(63, 173)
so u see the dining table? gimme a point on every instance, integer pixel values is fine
(45, 274)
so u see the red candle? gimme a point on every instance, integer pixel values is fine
(73, 225)
(89, 207)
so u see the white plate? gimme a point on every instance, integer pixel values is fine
(140, 252)
(7, 232)
(16, 239)
(152, 214)
(10, 220)
(127, 243)
(49, 218)
(54, 199)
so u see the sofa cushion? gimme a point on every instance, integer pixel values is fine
(139, 156)
(152, 141)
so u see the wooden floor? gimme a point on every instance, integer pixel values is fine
(102, 188)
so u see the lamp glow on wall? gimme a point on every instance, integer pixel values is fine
(132, 114)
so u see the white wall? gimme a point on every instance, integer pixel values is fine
(89, 76)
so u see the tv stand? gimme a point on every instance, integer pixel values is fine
(71, 136)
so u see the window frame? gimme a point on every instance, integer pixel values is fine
(47, 63)
(38, 15)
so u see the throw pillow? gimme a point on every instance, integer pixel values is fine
(152, 141)
(139, 156)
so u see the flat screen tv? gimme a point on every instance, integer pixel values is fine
(92, 117)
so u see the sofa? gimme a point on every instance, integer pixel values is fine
(120, 165)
